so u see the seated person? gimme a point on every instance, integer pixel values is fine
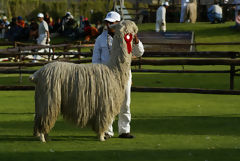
(49, 21)
(90, 31)
(69, 25)
(20, 22)
(237, 20)
(13, 30)
(215, 13)
(4, 26)
(33, 33)
(57, 26)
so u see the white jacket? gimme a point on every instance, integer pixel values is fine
(103, 46)
(161, 14)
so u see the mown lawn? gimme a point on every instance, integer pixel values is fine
(167, 126)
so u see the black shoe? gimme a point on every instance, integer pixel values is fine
(126, 135)
(107, 136)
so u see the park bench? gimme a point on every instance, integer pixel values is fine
(167, 41)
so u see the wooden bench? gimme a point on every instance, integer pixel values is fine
(161, 42)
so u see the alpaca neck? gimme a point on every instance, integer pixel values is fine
(120, 66)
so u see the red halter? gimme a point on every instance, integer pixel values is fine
(128, 38)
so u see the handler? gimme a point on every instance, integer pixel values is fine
(101, 52)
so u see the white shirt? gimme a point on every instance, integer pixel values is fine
(103, 46)
(161, 14)
(43, 28)
(215, 9)
(184, 2)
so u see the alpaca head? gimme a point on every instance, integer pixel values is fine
(123, 40)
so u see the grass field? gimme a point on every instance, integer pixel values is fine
(167, 126)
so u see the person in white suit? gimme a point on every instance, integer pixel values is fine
(101, 55)
(161, 17)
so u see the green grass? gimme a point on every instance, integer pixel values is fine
(167, 126)
(169, 129)
(205, 33)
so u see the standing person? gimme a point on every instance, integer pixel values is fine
(191, 13)
(183, 10)
(43, 34)
(43, 31)
(161, 17)
(101, 53)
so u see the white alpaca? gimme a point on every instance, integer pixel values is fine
(87, 93)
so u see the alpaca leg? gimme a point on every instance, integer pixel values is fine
(101, 136)
(42, 138)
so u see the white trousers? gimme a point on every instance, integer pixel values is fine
(160, 26)
(41, 40)
(124, 117)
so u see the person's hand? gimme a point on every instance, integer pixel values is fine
(135, 39)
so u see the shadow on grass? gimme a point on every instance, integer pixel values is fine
(7, 138)
(14, 80)
(19, 113)
(119, 155)
(187, 125)
(223, 31)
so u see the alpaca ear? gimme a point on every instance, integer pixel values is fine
(135, 29)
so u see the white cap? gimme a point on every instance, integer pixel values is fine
(225, 1)
(166, 4)
(68, 13)
(4, 17)
(40, 15)
(113, 17)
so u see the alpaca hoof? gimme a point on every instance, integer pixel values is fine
(42, 138)
(102, 139)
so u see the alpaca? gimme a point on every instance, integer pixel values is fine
(84, 93)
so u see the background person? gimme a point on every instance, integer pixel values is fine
(191, 15)
(237, 7)
(183, 10)
(237, 20)
(161, 17)
(215, 13)
(43, 31)
(4, 26)
(101, 53)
